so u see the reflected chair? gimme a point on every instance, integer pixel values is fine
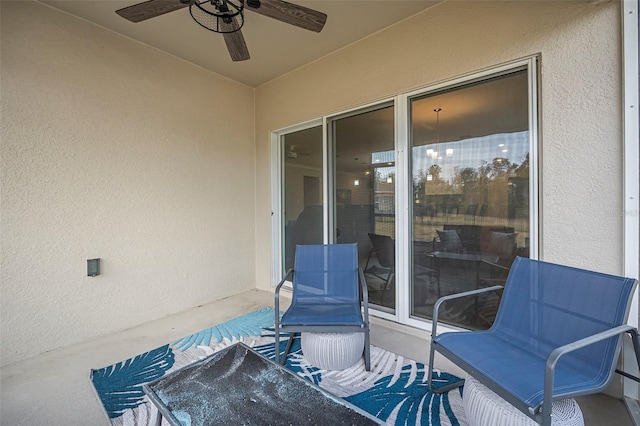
(307, 229)
(557, 335)
(498, 256)
(450, 240)
(384, 250)
(329, 296)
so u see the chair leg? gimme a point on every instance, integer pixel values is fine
(158, 421)
(366, 266)
(430, 371)
(442, 389)
(635, 340)
(386, 286)
(292, 336)
(276, 327)
(367, 351)
(636, 344)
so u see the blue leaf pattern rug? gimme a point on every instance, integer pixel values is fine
(395, 390)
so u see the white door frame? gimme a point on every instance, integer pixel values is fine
(631, 213)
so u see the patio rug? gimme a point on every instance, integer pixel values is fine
(395, 390)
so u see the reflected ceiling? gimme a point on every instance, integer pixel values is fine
(499, 105)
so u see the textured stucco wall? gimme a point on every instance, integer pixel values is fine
(112, 149)
(581, 139)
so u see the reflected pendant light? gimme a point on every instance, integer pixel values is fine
(434, 153)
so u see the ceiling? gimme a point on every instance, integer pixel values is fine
(275, 47)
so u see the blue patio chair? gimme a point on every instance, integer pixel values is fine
(329, 295)
(557, 335)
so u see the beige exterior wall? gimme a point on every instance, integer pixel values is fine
(112, 149)
(580, 92)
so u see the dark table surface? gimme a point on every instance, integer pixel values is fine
(239, 386)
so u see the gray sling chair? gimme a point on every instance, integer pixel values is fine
(329, 296)
(557, 335)
(384, 250)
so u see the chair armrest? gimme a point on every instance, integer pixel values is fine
(277, 294)
(284, 279)
(365, 295)
(443, 299)
(554, 356)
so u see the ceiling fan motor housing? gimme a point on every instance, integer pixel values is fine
(220, 16)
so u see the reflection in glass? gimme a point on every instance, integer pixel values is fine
(365, 196)
(470, 209)
(302, 183)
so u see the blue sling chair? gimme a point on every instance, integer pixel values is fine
(557, 335)
(327, 290)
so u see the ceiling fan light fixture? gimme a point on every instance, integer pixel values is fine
(220, 16)
(227, 17)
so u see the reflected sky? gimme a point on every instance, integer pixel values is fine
(458, 155)
(470, 153)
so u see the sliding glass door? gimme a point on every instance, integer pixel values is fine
(470, 193)
(437, 187)
(302, 177)
(365, 198)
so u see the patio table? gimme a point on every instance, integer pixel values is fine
(475, 258)
(240, 386)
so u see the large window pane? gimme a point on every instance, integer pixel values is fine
(365, 196)
(302, 182)
(470, 207)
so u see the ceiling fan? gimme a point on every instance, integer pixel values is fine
(292, 153)
(227, 17)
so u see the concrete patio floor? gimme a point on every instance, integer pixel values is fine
(54, 388)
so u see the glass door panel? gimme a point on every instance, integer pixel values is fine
(365, 199)
(470, 206)
(302, 184)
